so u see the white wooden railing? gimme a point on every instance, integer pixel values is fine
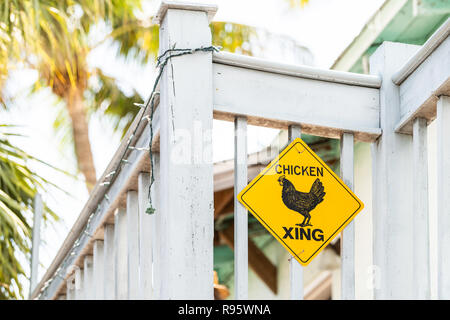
(117, 251)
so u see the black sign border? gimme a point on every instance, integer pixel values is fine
(332, 174)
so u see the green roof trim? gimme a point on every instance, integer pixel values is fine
(406, 21)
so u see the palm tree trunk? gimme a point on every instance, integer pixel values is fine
(80, 130)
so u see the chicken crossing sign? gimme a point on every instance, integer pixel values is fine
(300, 201)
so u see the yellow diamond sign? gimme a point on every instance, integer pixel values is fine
(300, 201)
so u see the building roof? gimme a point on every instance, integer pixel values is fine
(406, 21)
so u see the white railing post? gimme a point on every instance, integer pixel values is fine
(98, 269)
(133, 244)
(36, 240)
(146, 222)
(79, 284)
(156, 231)
(70, 288)
(296, 269)
(392, 184)
(240, 212)
(186, 195)
(109, 264)
(88, 278)
(120, 254)
(443, 191)
(348, 234)
(420, 240)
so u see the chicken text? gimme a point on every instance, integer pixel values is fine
(299, 170)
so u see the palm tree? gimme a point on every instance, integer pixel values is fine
(62, 49)
(143, 44)
(18, 183)
(297, 3)
(57, 38)
(53, 36)
(18, 187)
(59, 52)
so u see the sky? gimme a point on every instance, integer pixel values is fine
(324, 27)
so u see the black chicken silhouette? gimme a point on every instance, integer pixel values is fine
(301, 202)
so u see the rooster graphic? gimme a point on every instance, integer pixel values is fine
(301, 202)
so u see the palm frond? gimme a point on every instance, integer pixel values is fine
(297, 3)
(109, 99)
(18, 187)
(233, 37)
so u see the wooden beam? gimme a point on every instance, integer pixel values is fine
(221, 200)
(320, 288)
(221, 291)
(228, 208)
(257, 260)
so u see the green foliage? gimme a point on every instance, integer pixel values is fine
(64, 44)
(143, 44)
(109, 99)
(18, 187)
(56, 34)
(297, 3)
(232, 37)
(56, 39)
(137, 40)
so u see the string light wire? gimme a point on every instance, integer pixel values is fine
(161, 63)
